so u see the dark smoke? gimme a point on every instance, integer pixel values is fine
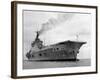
(54, 22)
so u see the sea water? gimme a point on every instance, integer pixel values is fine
(55, 64)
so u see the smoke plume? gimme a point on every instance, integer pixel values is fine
(54, 22)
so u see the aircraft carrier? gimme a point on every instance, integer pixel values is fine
(66, 50)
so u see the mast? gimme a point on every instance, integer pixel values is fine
(77, 36)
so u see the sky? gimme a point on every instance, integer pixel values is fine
(56, 27)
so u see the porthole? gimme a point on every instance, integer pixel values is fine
(40, 54)
(57, 48)
(73, 52)
(45, 54)
(32, 55)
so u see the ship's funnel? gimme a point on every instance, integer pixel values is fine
(37, 35)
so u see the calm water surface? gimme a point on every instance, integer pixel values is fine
(55, 64)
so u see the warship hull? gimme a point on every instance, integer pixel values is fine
(55, 57)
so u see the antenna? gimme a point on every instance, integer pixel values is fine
(77, 36)
(44, 41)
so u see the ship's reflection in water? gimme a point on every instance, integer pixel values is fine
(55, 64)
